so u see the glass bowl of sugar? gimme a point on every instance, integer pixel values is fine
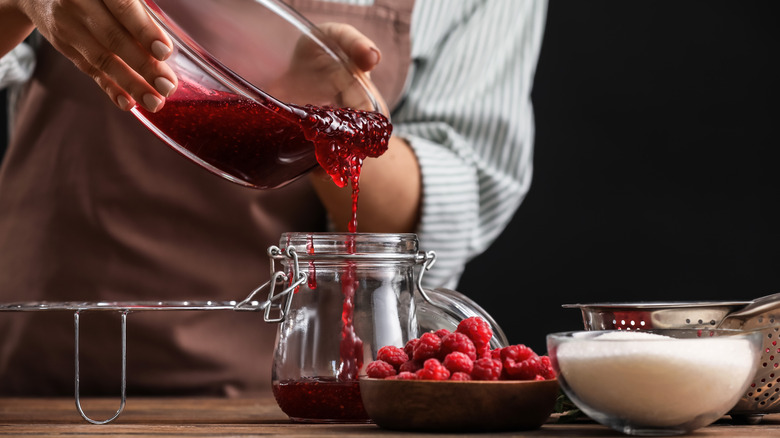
(655, 382)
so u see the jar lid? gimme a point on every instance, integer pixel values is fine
(446, 308)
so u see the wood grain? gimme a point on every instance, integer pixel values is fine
(218, 417)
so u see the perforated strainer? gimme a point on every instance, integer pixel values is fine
(763, 395)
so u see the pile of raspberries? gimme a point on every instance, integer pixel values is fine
(464, 354)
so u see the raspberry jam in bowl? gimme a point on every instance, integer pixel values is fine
(262, 92)
(655, 382)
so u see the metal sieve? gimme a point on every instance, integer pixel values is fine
(763, 395)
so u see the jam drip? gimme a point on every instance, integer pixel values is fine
(351, 346)
(342, 139)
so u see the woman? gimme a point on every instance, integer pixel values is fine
(92, 207)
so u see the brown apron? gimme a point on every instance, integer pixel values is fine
(93, 207)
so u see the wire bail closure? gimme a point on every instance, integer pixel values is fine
(280, 278)
(277, 278)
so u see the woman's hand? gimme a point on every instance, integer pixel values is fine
(315, 77)
(115, 42)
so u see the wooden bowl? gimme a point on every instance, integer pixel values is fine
(450, 406)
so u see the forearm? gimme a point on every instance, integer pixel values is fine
(390, 193)
(16, 26)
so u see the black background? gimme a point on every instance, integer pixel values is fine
(655, 164)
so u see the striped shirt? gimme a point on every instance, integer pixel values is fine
(466, 113)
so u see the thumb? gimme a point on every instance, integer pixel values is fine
(360, 49)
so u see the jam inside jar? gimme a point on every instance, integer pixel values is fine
(358, 297)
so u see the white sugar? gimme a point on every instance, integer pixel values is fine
(656, 380)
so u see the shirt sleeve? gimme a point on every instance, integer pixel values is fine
(467, 115)
(17, 66)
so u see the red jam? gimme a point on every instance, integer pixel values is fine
(321, 399)
(268, 144)
(351, 346)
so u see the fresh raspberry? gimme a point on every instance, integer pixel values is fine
(539, 377)
(458, 342)
(406, 375)
(392, 355)
(478, 330)
(433, 370)
(496, 354)
(486, 369)
(548, 372)
(428, 347)
(409, 347)
(516, 353)
(379, 369)
(442, 332)
(410, 366)
(520, 362)
(458, 362)
(460, 376)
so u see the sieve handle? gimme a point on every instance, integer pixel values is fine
(756, 307)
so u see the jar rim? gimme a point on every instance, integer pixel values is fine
(340, 235)
(315, 245)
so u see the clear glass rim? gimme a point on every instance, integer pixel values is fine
(654, 304)
(325, 245)
(344, 235)
(674, 333)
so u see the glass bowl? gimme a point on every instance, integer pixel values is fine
(248, 72)
(655, 382)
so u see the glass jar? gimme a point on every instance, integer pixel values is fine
(358, 296)
(338, 299)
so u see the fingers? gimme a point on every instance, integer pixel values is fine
(363, 52)
(357, 46)
(132, 15)
(116, 93)
(318, 78)
(124, 86)
(115, 42)
(133, 47)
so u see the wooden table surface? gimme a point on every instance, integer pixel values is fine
(205, 417)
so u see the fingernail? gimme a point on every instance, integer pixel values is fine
(123, 102)
(377, 55)
(160, 50)
(152, 102)
(164, 86)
